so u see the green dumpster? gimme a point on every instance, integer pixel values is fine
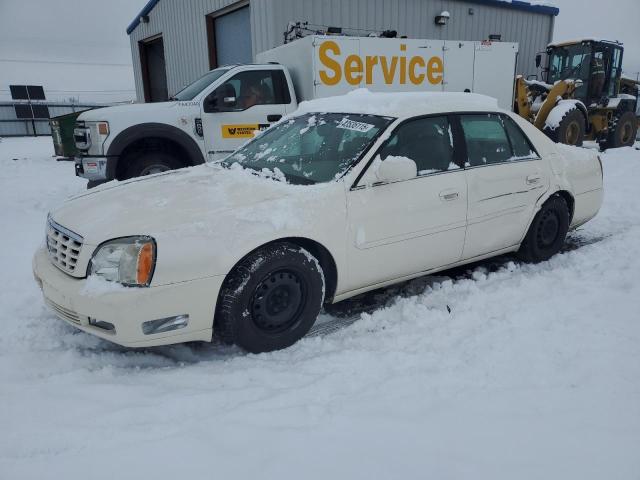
(62, 134)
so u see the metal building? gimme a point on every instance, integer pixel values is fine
(173, 42)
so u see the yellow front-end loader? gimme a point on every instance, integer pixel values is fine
(583, 95)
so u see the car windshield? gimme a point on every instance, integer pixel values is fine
(191, 91)
(311, 148)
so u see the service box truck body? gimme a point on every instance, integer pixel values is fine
(323, 66)
(213, 116)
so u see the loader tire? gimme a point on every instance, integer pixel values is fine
(571, 129)
(622, 132)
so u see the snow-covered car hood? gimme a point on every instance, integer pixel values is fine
(123, 111)
(178, 201)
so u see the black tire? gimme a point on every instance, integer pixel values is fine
(547, 232)
(622, 131)
(571, 129)
(150, 163)
(270, 299)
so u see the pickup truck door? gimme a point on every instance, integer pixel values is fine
(252, 99)
(406, 227)
(505, 178)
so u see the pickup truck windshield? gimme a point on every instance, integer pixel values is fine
(312, 148)
(191, 91)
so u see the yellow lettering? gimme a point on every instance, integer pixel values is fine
(330, 63)
(353, 65)
(435, 70)
(389, 71)
(403, 65)
(370, 63)
(415, 78)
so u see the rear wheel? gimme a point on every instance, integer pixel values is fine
(547, 232)
(570, 130)
(270, 299)
(150, 163)
(623, 131)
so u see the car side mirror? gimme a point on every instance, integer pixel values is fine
(538, 60)
(229, 102)
(396, 169)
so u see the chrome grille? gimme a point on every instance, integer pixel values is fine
(64, 246)
(63, 313)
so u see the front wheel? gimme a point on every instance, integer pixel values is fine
(547, 232)
(570, 130)
(150, 163)
(270, 299)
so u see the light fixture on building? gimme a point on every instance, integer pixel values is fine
(443, 18)
(144, 19)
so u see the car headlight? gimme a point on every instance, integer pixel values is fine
(129, 261)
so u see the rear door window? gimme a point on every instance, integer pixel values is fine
(522, 147)
(492, 138)
(486, 138)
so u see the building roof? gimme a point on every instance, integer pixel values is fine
(535, 6)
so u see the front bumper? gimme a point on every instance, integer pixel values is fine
(95, 168)
(128, 308)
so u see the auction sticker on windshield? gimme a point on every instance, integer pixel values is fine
(353, 125)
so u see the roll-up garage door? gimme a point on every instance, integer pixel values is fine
(233, 37)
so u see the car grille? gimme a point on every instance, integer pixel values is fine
(64, 246)
(63, 313)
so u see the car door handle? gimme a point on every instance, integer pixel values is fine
(533, 179)
(448, 195)
(273, 118)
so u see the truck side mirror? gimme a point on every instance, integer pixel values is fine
(538, 60)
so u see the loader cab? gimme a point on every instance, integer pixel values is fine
(597, 64)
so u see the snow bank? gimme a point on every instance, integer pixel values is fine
(533, 370)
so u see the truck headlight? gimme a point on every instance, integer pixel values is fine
(129, 261)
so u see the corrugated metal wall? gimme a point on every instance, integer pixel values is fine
(184, 31)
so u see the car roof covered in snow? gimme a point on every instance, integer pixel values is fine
(399, 104)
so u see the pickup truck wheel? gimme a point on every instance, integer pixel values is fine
(547, 232)
(150, 163)
(271, 299)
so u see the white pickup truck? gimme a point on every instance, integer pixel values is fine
(216, 114)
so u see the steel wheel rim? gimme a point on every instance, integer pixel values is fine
(278, 301)
(548, 230)
(151, 169)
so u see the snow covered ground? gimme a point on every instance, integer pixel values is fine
(535, 372)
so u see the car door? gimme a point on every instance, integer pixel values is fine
(505, 178)
(401, 228)
(248, 101)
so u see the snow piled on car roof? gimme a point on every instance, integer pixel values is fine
(399, 104)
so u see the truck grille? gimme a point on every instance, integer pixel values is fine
(64, 246)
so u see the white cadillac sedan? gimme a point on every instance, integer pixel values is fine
(349, 194)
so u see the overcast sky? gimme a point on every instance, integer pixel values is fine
(90, 32)
(605, 19)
